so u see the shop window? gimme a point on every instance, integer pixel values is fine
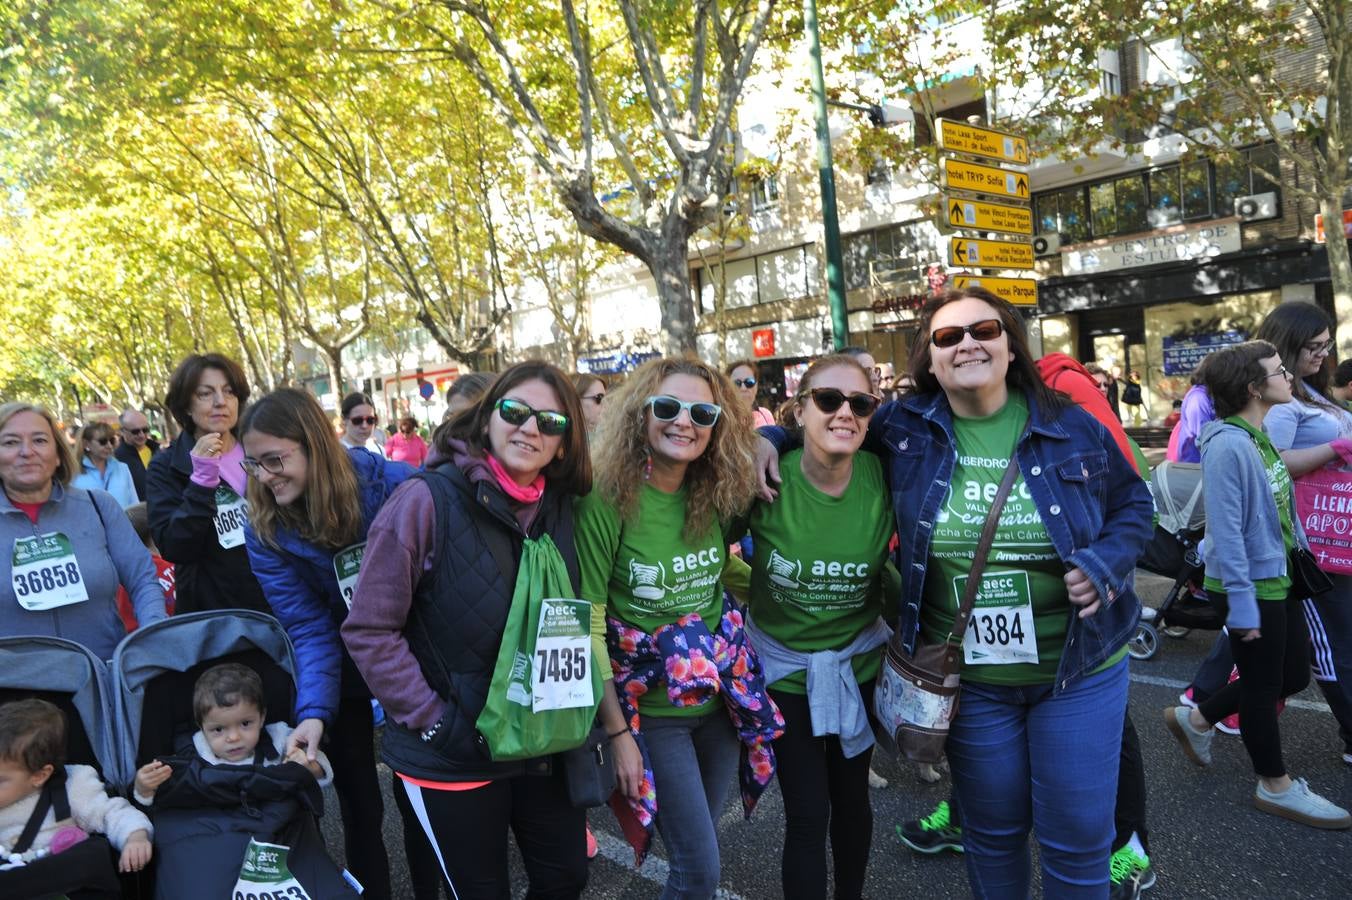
(782, 275)
(1196, 182)
(1232, 181)
(1103, 209)
(1131, 204)
(1166, 206)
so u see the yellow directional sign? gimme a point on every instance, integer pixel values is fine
(989, 254)
(1018, 291)
(957, 175)
(978, 140)
(979, 216)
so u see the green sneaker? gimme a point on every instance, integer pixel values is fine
(933, 834)
(1129, 873)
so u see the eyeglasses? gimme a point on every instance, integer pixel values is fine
(595, 398)
(1281, 370)
(828, 400)
(951, 335)
(514, 412)
(744, 382)
(137, 430)
(1314, 348)
(666, 409)
(273, 462)
(363, 420)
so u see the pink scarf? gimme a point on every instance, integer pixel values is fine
(529, 493)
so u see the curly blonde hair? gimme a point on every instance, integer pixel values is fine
(720, 484)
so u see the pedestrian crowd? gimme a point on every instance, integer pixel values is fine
(579, 593)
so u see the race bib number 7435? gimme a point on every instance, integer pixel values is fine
(561, 669)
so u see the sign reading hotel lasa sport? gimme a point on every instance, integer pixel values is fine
(1177, 244)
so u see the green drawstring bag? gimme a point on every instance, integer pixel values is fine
(546, 682)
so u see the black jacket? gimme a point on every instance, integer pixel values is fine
(456, 622)
(183, 526)
(127, 454)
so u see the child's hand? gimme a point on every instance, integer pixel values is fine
(137, 851)
(297, 755)
(150, 776)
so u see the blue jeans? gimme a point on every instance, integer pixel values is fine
(688, 754)
(1022, 758)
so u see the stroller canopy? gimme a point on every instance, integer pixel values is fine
(55, 669)
(155, 667)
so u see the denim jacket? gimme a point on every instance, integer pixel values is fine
(1095, 507)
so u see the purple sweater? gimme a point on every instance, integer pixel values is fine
(400, 550)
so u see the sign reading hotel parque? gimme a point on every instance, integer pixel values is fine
(1174, 245)
(1184, 354)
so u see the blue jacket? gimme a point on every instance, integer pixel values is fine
(1095, 507)
(1241, 515)
(116, 480)
(301, 586)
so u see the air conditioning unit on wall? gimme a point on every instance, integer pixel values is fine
(1257, 207)
(1047, 244)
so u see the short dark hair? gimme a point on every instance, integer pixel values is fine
(738, 363)
(183, 383)
(355, 399)
(1342, 376)
(1022, 372)
(32, 734)
(1229, 372)
(140, 521)
(471, 385)
(228, 684)
(571, 474)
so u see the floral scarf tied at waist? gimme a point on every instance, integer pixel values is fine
(697, 667)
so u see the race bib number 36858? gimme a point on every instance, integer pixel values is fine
(231, 513)
(46, 574)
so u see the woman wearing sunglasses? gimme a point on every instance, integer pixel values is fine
(427, 620)
(743, 375)
(815, 619)
(1036, 738)
(673, 465)
(359, 423)
(99, 471)
(311, 501)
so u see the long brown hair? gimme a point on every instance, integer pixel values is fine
(571, 472)
(720, 484)
(1022, 373)
(329, 514)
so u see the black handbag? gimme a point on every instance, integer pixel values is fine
(589, 770)
(1307, 579)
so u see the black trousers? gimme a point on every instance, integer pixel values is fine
(824, 792)
(1129, 815)
(1271, 668)
(468, 829)
(350, 746)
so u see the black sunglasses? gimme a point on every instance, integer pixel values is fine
(363, 420)
(104, 441)
(744, 382)
(138, 431)
(951, 335)
(828, 400)
(666, 409)
(514, 412)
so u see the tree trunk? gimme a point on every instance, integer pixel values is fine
(671, 271)
(333, 354)
(1340, 267)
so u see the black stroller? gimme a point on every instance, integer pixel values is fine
(76, 682)
(1175, 552)
(210, 814)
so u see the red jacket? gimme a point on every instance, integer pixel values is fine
(1066, 375)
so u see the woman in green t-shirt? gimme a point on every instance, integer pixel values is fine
(816, 600)
(1250, 522)
(673, 462)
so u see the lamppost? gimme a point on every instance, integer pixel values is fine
(835, 266)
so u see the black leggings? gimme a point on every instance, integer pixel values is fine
(469, 831)
(1129, 816)
(823, 791)
(1271, 668)
(350, 746)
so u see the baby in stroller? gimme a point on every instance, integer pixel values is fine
(229, 707)
(49, 808)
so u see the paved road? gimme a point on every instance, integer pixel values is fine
(1208, 840)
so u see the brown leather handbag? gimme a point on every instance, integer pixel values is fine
(917, 693)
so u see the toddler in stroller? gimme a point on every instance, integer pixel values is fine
(61, 832)
(1175, 551)
(200, 701)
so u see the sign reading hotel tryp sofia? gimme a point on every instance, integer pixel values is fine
(1177, 244)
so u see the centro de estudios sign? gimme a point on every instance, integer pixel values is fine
(1178, 244)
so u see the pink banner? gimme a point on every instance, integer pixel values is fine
(1324, 504)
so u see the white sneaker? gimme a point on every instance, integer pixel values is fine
(1300, 804)
(1196, 744)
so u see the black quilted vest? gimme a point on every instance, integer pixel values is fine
(456, 621)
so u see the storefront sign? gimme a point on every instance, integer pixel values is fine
(613, 363)
(763, 342)
(1173, 245)
(897, 304)
(1320, 237)
(1183, 354)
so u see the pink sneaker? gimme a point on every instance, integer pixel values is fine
(1230, 724)
(592, 849)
